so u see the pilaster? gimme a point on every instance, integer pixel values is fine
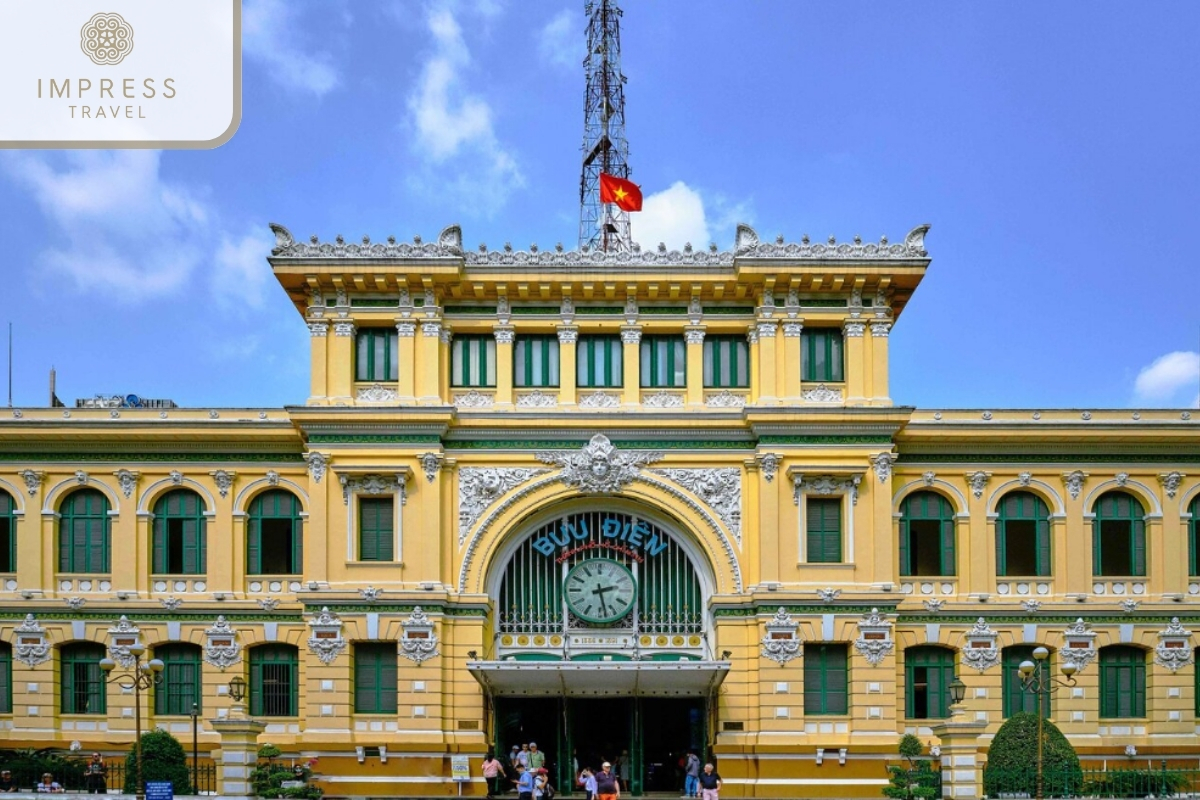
(505, 337)
(429, 361)
(755, 365)
(340, 369)
(790, 367)
(770, 383)
(568, 338)
(406, 352)
(856, 367)
(694, 336)
(879, 362)
(318, 386)
(631, 360)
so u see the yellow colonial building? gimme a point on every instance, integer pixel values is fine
(620, 504)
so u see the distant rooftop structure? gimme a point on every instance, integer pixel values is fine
(122, 401)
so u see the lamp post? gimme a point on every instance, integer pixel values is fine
(958, 690)
(145, 675)
(195, 745)
(1036, 679)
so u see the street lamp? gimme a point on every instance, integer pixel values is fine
(958, 690)
(145, 675)
(1035, 678)
(195, 744)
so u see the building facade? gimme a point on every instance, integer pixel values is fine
(622, 505)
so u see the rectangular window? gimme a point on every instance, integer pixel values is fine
(826, 679)
(274, 685)
(1122, 689)
(1016, 697)
(726, 362)
(473, 361)
(375, 678)
(82, 686)
(180, 687)
(599, 362)
(6, 679)
(821, 355)
(535, 362)
(823, 531)
(376, 531)
(376, 356)
(664, 362)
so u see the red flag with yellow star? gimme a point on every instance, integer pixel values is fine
(626, 195)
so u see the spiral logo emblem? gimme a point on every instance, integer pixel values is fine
(106, 38)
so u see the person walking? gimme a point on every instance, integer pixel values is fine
(607, 785)
(588, 781)
(537, 758)
(710, 783)
(493, 773)
(691, 773)
(541, 782)
(94, 775)
(524, 783)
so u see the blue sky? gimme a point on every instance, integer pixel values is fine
(1052, 146)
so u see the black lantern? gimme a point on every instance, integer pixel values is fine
(237, 688)
(958, 690)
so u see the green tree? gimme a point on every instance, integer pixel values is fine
(916, 778)
(268, 777)
(1012, 760)
(163, 759)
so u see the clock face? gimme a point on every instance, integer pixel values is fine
(599, 590)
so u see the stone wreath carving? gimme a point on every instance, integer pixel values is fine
(725, 399)
(31, 646)
(1080, 649)
(874, 640)
(418, 642)
(479, 487)
(720, 489)
(222, 649)
(1173, 650)
(377, 393)
(123, 631)
(599, 468)
(326, 640)
(821, 394)
(781, 643)
(981, 652)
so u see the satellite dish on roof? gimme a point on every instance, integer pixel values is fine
(133, 401)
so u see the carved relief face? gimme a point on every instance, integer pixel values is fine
(600, 467)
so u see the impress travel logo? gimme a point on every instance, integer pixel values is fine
(79, 76)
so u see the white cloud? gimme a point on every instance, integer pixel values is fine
(680, 214)
(271, 36)
(123, 229)
(454, 131)
(1168, 379)
(561, 41)
(240, 275)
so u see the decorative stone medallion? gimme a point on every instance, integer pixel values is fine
(781, 643)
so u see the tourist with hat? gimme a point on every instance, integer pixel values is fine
(607, 785)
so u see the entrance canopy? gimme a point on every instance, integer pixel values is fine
(599, 678)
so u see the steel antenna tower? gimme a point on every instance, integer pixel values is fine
(603, 226)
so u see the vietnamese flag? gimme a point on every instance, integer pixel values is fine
(625, 194)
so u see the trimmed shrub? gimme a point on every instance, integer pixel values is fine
(163, 759)
(1012, 760)
(268, 777)
(916, 779)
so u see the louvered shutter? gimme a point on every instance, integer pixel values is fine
(297, 546)
(368, 541)
(1001, 561)
(1043, 546)
(384, 529)
(97, 546)
(256, 686)
(254, 546)
(949, 565)
(1097, 527)
(366, 681)
(158, 545)
(191, 547)
(388, 679)
(905, 557)
(1138, 534)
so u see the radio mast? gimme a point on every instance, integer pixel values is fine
(603, 226)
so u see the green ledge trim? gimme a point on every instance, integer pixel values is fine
(122, 458)
(575, 444)
(370, 302)
(831, 439)
(373, 438)
(664, 310)
(1048, 458)
(1043, 619)
(833, 608)
(115, 612)
(396, 608)
(731, 311)
(814, 302)
(469, 310)
(583, 311)
(531, 311)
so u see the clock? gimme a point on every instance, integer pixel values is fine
(599, 590)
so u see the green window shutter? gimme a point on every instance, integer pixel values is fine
(1139, 546)
(256, 687)
(1096, 551)
(297, 546)
(366, 683)
(824, 530)
(254, 546)
(376, 531)
(5, 678)
(1043, 547)
(158, 545)
(825, 679)
(1001, 566)
(1193, 555)
(949, 559)
(904, 554)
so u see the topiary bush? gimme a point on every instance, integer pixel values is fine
(914, 779)
(1012, 760)
(163, 759)
(268, 777)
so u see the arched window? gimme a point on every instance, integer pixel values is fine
(375, 674)
(8, 533)
(1022, 536)
(5, 678)
(928, 672)
(81, 681)
(179, 546)
(1194, 539)
(274, 544)
(926, 535)
(274, 680)
(181, 685)
(1122, 682)
(84, 533)
(1118, 536)
(1016, 698)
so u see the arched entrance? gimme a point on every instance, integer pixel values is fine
(602, 645)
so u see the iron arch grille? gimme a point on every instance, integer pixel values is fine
(669, 598)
